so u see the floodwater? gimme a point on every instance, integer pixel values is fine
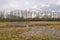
(41, 30)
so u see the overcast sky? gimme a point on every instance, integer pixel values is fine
(27, 4)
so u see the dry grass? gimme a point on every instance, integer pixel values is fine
(19, 29)
(17, 33)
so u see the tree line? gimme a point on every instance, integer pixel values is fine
(24, 15)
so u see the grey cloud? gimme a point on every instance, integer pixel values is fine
(21, 4)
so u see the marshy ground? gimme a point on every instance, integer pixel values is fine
(32, 30)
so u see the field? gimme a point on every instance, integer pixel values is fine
(30, 30)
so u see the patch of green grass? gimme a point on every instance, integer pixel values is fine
(44, 22)
(3, 23)
(34, 22)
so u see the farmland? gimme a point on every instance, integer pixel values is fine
(30, 30)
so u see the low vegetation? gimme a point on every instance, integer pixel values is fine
(18, 35)
(51, 32)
